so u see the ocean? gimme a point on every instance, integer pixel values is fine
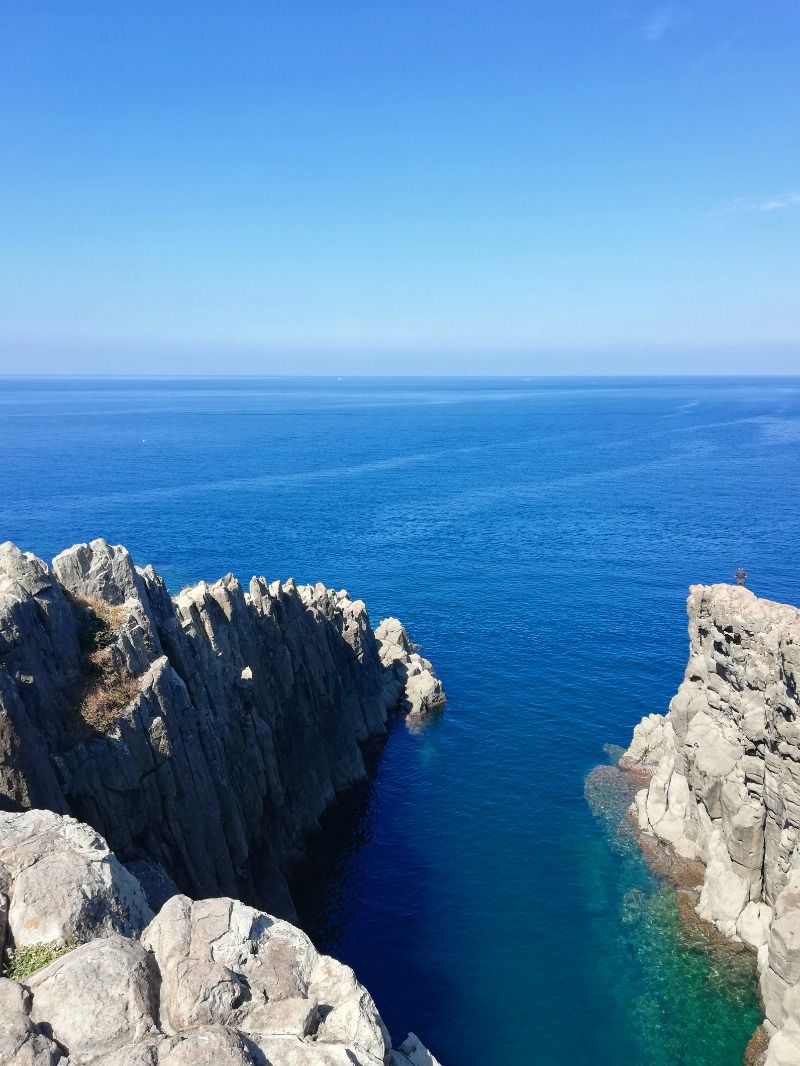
(537, 537)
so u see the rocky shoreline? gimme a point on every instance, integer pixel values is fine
(158, 750)
(721, 808)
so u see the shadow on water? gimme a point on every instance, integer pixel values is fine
(691, 996)
(319, 883)
(342, 903)
(681, 996)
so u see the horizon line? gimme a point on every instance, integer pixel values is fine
(386, 377)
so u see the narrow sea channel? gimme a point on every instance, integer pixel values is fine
(538, 539)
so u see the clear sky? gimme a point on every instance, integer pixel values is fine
(353, 186)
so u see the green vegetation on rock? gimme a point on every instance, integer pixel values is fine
(24, 961)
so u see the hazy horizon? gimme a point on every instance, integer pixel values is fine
(312, 375)
(399, 189)
(144, 363)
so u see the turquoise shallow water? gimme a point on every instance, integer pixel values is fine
(538, 538)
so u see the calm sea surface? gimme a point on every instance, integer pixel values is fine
(537, 537)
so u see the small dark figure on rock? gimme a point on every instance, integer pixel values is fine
(740, 575)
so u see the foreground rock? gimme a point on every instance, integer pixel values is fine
(67, 886)
(725, 786)
(203, 736)
(208, 983)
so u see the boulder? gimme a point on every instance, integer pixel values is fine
(96, 999)
(21, 1042)
(65, 884)
(222, 963)
(649, 744)
(753, 924)
(414, 1053)
(212, 1045)
(723, 897)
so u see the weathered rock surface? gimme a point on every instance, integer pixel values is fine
(413, 1053)
(64, 884)
(409, 679)
(223, 722)
(21, 1042)
(209, 983)
(725, 787)
(96, 999)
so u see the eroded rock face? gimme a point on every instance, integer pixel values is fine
(209, 983)
(203, 736)
(223, 721)
(409, 679)
(726, 786)
(21, 1042)
(64, 883)
(39, 671)
(222, 963)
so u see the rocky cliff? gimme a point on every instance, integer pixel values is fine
(725, 786)
(208, 983)
(202, 735)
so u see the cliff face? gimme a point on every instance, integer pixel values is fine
(202, 735)
(726, 786)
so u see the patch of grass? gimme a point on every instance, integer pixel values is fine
(22, 962)
(107, 688)
(98, 623)
(106, 692)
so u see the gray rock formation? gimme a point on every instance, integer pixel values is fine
(725, 788)
(208, 983)
(67, 885)
(21, 1042)
(409, 680)
(203, 735)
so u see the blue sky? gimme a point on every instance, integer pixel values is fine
(389, 187)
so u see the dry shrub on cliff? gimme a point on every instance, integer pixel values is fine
(107, 687)
(98, 622)
(105, 696)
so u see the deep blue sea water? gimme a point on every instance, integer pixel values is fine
(537, 537)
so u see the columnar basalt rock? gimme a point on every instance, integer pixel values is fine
(204, 734)
(725, 786)
(206, 983)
